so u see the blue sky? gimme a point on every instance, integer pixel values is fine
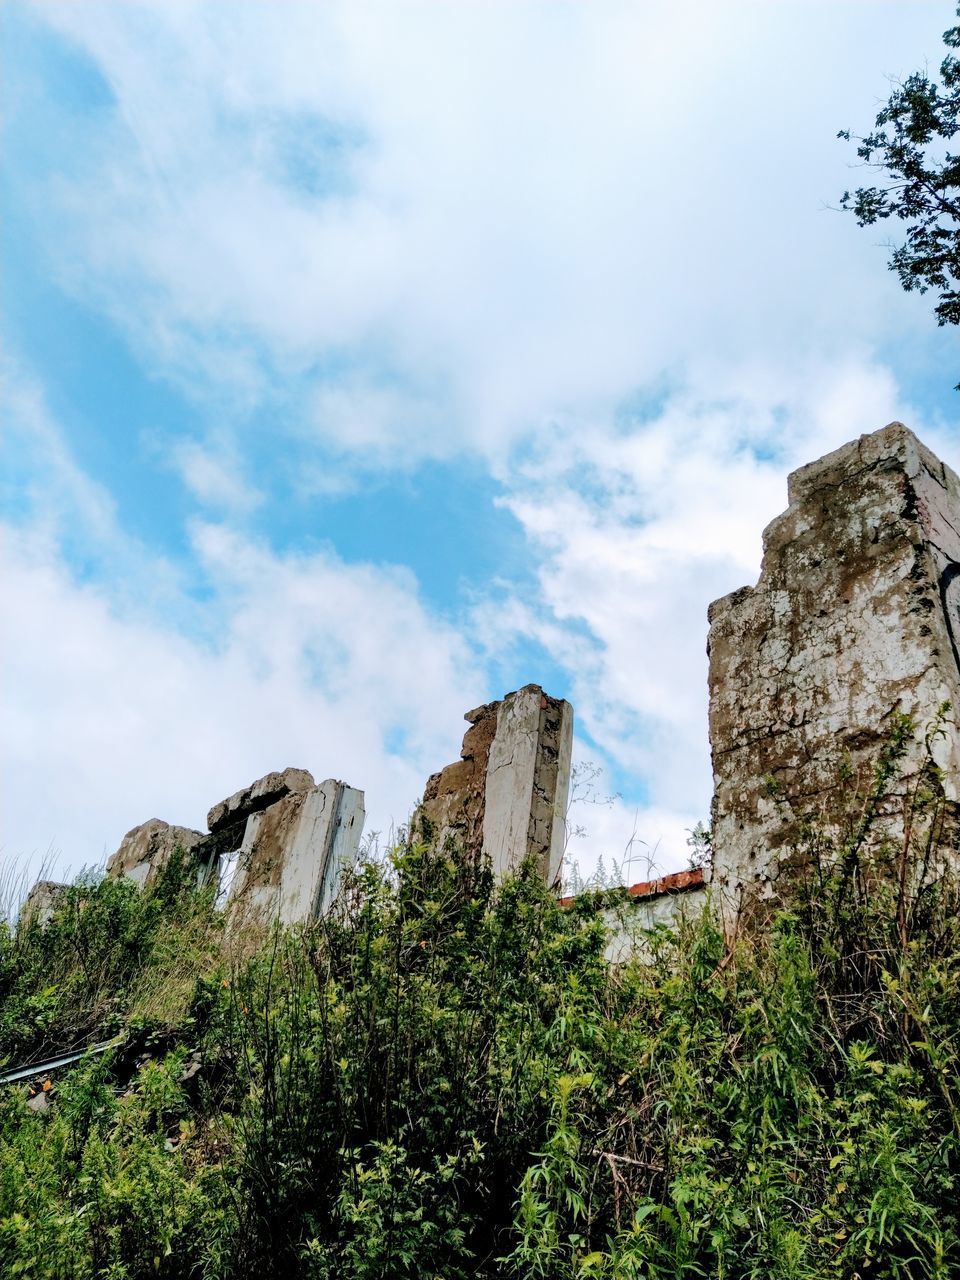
(362, 362)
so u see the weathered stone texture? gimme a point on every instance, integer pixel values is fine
(453, 799)
(505, 798)
(283, 863)
(854, 618)
(41, 902)
(259, 795)
(148, 848)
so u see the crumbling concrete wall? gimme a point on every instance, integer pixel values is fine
(505, 799)
(854, 619)
(146, 849)
(275, 849)
(283, 863)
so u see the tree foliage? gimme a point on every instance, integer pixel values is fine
(911, 146)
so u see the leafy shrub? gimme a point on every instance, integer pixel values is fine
(109, 953)
(445, 1078)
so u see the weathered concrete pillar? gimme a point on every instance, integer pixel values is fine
(854, 618)
(505, 799)
(41, 902)
(279, 847)
(146, 849)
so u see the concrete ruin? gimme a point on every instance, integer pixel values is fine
(41, 902)
(853, 620)
(275, 850)
(279, 848)
(259, 795)
(143, 853)
(505, 799)
(147, 849)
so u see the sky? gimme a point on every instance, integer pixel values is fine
(365, 361)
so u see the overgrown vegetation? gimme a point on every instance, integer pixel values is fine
(110, 958)
(445, 1079)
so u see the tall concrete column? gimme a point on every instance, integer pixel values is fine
(505, 799)
(853, 620)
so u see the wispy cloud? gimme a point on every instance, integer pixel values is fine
(211, 477)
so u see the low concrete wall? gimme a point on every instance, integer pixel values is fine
(647, 906)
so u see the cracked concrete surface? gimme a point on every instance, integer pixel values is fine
(291, 857)
(505, 799)
(854, 618)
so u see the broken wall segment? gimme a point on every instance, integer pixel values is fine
(283, 864)
(147, 849)
(854, 619)
(505, 799)
(276, 849)
(638, 911)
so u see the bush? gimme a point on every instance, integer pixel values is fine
(444, 1078)
(109, 954)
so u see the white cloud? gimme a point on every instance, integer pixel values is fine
(526, 209)
(65, 508)
(212, 477)
(637, 529)
(629, 843)
(127, 693)
(111, 717)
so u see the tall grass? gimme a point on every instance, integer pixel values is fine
(17, 876)
(109, 956)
